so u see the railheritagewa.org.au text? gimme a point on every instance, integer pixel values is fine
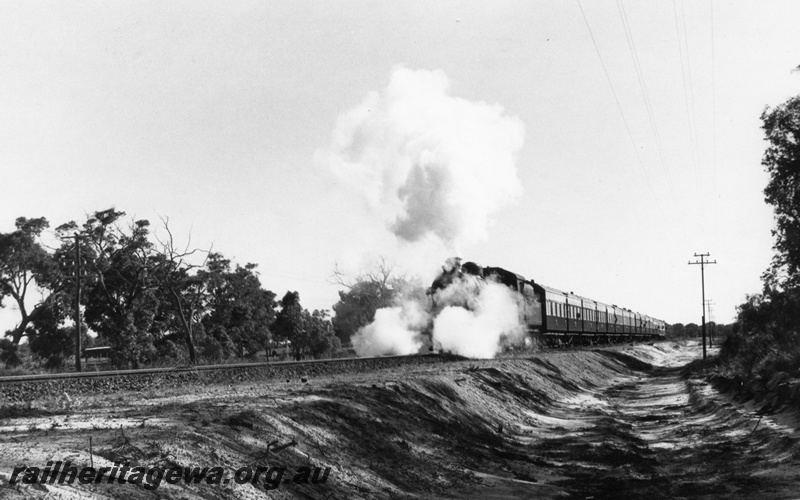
(151, 478)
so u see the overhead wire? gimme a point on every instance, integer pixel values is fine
(645, 95)
(619, 106)
(691, 84)
(693, 146)
(713, 98)
(701, 193)
(714, 197)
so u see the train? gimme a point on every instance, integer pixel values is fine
(554, 317)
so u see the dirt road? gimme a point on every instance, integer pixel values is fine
(627, 423)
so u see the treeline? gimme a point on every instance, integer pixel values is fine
(693, 331)
(147, 298)
(762, 352)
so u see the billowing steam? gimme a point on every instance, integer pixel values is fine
(472, 317)
(431, 164)
(396, 330)
(480, 333)
(435, 168)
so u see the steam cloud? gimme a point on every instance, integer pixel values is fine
(481, 332)
(431, 164)
(396, 330)
(434, 167)
(477, 320)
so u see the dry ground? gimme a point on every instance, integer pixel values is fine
(624, 423)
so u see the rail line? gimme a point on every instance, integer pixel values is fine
(44, 377)
(442, 356)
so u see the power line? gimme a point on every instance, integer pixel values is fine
(713, 98)
(691, 84)
(619, 107)
(645, 95)
(692, 143)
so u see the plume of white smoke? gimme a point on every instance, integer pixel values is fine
(433, 166)
(395, 330)
(480, 331)
(476, 319)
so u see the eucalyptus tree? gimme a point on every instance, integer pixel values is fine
(241, 311)
(121, 299)
(290, 323)
(26, 267)
(782, 162)
(321, 339)
(183, 283)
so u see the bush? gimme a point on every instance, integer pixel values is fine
(9, 354)
(762, 351)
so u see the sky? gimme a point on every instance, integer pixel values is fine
(594, 147)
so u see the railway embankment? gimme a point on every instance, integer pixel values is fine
(628, 422)
(41, 387)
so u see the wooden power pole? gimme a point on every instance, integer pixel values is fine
(702, 264)
(712, 329)
(77, 269)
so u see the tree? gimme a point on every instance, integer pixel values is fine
(122, 300)
(307, 333)
(765, 338)
(49, 339)
(692, 330)
(142, 300)
(185, 287)
(781, 160)
(240, 310)
(25, 265)
(723, 331)
(356, 307)
(676, 331)
(322, 342)
(290, 323)
(775, 314)
(366, 293)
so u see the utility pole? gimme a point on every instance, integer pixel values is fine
(713, 327)
(79, 271)
(703, 284)
(77, 268)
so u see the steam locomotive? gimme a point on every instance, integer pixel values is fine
(555, 317)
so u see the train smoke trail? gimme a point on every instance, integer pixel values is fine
(434, 168)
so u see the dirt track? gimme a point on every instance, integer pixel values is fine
(610, 424)
(659, 434)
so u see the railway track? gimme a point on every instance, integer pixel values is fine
(188, 369)
(257, 366)
(22, 388)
